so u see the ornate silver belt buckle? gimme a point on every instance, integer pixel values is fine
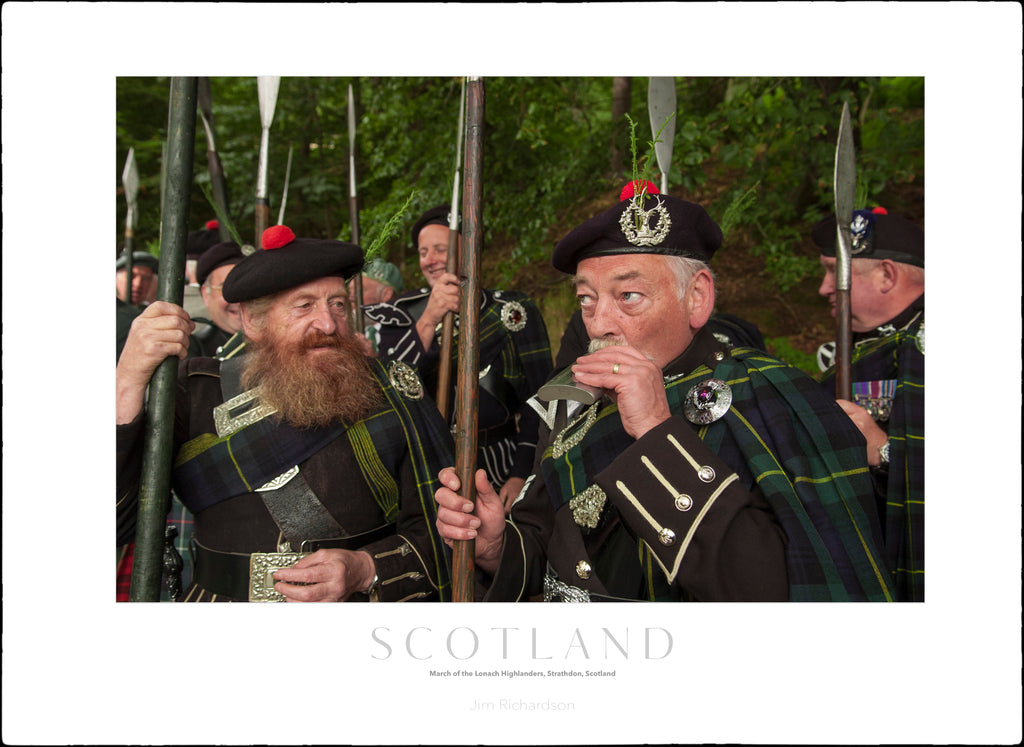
(261, 574)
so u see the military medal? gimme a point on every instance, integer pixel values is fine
(707, 401)
(875, 397)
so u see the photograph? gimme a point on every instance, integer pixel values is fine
(474, 316)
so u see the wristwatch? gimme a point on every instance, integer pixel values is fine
(883, 452)
(373, 591)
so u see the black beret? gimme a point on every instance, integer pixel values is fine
(199, 241)
(224, 253)
(672, 226)
(875, 234)
(286, 262)
(139, 259)
(437, 216)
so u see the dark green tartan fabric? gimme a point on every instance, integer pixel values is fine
(380, 442)
(784, 436)
(899, 357)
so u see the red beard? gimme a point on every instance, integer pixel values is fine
(318, 381)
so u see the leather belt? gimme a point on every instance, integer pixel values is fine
(248, 576)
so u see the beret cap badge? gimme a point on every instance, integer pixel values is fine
(636, 221)
(862, 234)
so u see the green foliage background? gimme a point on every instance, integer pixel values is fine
(547, 151)
(757, 152)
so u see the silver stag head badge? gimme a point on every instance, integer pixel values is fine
(636, 223)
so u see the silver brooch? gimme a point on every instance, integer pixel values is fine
(587, 505)
(919, 339)
(248, 249)
(405, 380)
(565, 440)
(636, 223)
(707, 401)
(513, 316)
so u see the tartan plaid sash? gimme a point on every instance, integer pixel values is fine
(782, 435)
(209, 469)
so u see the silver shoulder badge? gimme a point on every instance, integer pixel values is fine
(707, 401)
(405, 380)
(240, 411)
(513, 316)
(636, 223)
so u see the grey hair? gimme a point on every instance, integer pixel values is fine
(685, 269)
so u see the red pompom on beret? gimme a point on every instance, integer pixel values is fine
(277, 236)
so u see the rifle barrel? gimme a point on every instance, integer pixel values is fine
(466, 401)
(444, 372)
(154, 488)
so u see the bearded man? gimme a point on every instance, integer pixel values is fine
(309, 466)
(688, 470)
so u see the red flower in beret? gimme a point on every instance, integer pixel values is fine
(630, 189)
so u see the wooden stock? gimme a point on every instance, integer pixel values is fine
(262, 211)
(155, 485)
(444, 361)
(466, 399)
(844, 346)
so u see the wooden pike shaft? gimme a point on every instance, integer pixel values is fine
(154, 490)
(466, 400)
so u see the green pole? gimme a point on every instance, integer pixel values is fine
(154, 490)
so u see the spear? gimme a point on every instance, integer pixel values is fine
(266, 89)
(353, 207)
(284, 192)
(130, 180)
(661, 103)
(444, 373)
(845, 182)
(154, 487)
(217, 180)
(467, 389)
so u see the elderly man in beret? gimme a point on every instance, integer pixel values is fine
(196, 244)
(310, 467)
(514, 353)
(887, 372)
(696, 471)
(143, 290)
(221, 335)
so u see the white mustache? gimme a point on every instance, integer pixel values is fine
(603, 342)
